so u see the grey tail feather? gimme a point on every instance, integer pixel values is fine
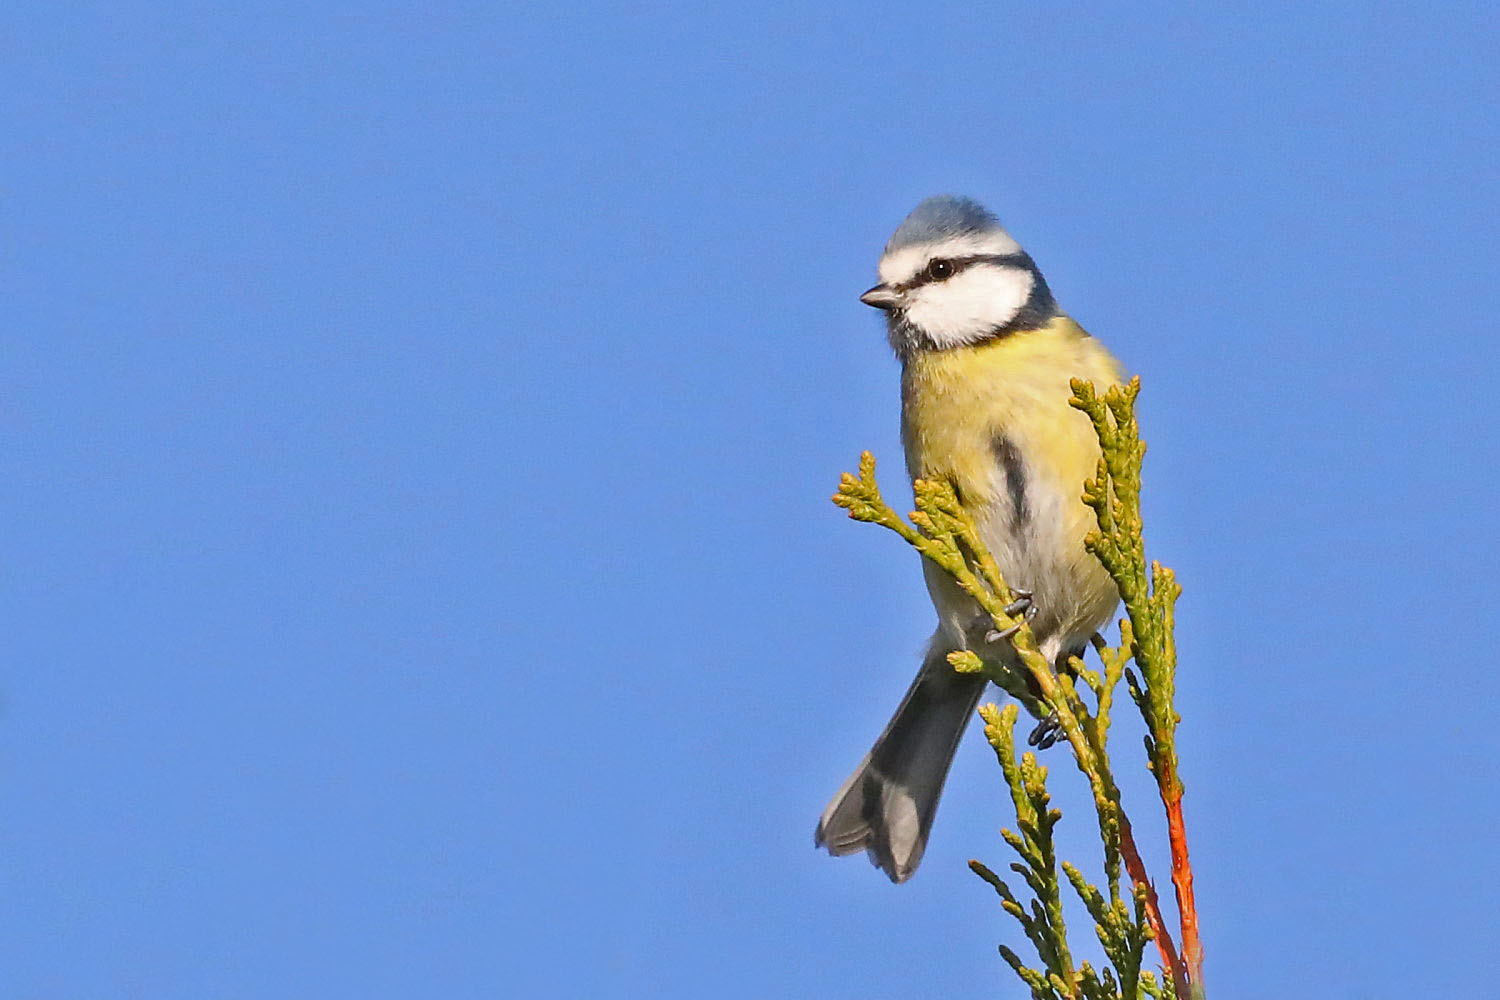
(887, 805)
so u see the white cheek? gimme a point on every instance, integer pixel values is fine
(966, 307)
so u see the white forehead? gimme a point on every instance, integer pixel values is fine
(901, 265)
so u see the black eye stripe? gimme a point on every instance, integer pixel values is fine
(960, 264)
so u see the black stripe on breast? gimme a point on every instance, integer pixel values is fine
(1009, 457)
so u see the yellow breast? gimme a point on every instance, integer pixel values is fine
(957, 404)
(994, 420)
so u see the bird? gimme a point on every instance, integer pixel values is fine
(986, 358)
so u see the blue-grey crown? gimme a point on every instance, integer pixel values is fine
(942, 217)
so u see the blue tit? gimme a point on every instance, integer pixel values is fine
(986, 356)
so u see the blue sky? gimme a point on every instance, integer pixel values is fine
(418, 423)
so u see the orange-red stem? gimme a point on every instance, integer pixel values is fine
(1137, 869)
(1182, 873)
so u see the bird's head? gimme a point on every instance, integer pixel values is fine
(952, 276)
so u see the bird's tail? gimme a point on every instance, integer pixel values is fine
(886, 806)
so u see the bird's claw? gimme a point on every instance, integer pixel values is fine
(1046, 733)
(1022, 606)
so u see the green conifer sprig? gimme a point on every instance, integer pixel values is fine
(1157, 989)
(1114, 495)
(1149, 592)
(1035, 819)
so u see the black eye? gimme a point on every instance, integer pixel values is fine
(940, 269)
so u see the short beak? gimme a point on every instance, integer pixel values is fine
(881, 297)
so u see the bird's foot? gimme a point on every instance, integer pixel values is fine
(1022, 606)
(1046, 733)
